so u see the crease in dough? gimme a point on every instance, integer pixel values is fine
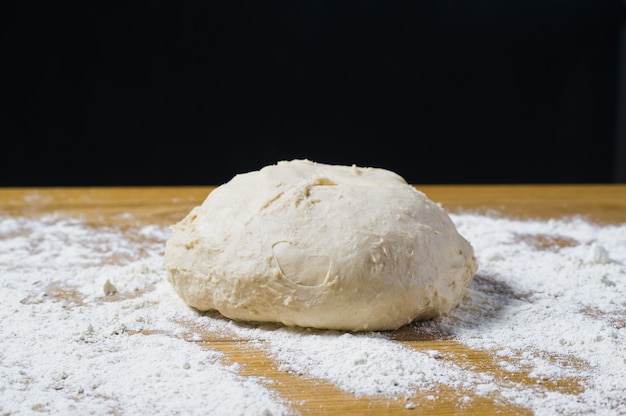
(298, 266)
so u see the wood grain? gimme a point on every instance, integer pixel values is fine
(128, 207)
(165, 205)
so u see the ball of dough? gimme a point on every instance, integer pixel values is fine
(318, 245)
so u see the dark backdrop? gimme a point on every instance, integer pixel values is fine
(450, 91)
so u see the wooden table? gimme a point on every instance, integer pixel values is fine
(165, 205)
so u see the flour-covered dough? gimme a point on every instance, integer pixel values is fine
(318, 245)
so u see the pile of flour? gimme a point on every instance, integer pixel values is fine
(89, 325)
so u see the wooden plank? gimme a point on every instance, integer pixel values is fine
(129, 207)
(165, 205)
(599, 203)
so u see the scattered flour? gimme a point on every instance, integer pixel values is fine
(88, 325)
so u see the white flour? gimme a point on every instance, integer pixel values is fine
(548, 302)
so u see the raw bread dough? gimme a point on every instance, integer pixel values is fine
(317, 245)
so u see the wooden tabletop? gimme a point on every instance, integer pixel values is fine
(166, 205)
(604, 204)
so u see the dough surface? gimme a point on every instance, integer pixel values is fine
(318, 245)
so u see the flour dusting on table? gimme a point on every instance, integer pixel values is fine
(89, 325)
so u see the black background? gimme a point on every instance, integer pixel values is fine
(193, 93)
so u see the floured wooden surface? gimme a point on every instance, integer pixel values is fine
(540, 331)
